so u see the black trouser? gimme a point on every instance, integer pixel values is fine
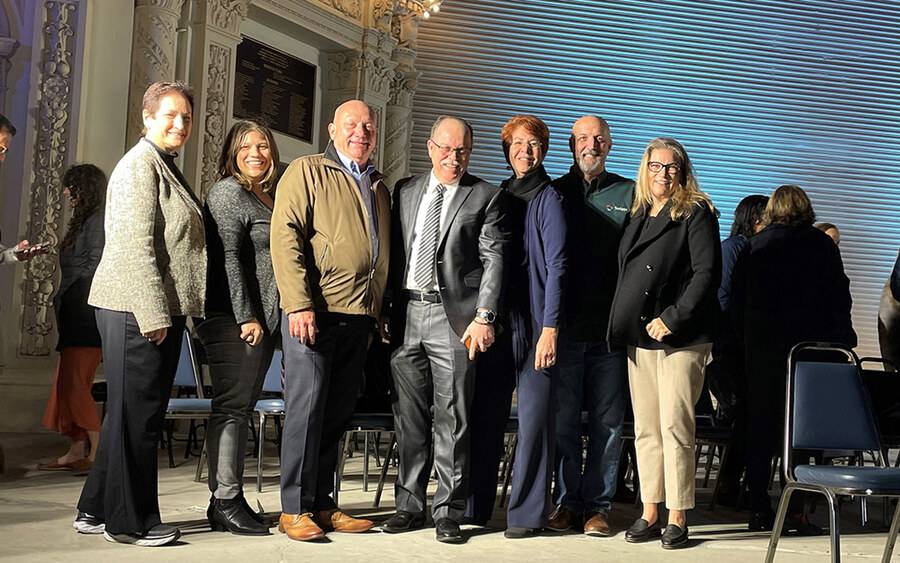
(122, 485)
(495, 379)
(238, 371)
(321, 386)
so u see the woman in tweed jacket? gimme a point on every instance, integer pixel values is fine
(241, 329)
(151, 277)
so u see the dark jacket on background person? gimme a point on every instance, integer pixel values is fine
(895, 279)
(596, 214)
(75, 321)
(322, 251)
(668, 269)
(475, 219)
(241, 280)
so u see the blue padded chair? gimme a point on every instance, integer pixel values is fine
(827, 408)
(266, 408)
(187, 377)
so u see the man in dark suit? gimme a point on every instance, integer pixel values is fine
(446, 273)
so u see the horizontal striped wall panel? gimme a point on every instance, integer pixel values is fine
(762, 93)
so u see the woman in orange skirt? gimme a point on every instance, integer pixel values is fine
(71, 410)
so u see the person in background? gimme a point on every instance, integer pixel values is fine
(665, 312)
(592, 374)
(789, 287)
(71, 409)
(831, 230)
(242, 323)
(725, 373)
(151, 277)
(23, 251)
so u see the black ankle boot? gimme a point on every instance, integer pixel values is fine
(230, 515)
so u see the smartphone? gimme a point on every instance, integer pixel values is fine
(39, 247)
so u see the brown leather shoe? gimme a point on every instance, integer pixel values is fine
(597, 525)
(299, 527)
(336, 521)
(561, 519)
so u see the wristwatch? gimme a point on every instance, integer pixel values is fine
(486, 317)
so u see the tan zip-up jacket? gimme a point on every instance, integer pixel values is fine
(321, 250)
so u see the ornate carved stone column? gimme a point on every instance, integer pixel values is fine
(215, 39)
(399, 122)
(152, 54)
(51, 144)
(8, 48)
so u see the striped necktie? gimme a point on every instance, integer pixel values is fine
(424, 273)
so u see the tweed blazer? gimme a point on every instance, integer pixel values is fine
(154, 261)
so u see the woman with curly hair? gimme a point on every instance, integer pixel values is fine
(71, 410)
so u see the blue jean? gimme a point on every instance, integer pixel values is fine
(594, 379)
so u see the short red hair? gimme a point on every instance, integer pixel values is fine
(531, 124)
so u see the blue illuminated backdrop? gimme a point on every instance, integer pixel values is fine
(760, 93)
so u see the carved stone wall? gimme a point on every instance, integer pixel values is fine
(51, 145)
(152, 54)
(8, 48)
(216, 117)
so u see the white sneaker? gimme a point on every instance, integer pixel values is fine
(158, 535)
(88, 524)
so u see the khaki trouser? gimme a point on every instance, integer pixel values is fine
(665, 386)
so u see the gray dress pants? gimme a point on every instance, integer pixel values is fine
(321, 385)
(431, 368)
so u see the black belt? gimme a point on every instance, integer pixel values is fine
(430, 297)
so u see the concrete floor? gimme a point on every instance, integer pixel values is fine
(37, 508)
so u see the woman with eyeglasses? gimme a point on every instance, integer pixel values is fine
(664, 312)
(242, 324)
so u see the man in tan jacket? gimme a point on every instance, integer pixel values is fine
(330, 245)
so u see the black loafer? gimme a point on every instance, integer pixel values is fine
(642, 531)
(674, 537)
(447, 531)
(513, 533)
(403, 521)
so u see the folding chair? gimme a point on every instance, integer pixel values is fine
(266, 408)
(187, 377)
(816, 391)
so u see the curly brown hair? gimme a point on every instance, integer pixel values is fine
(87, 185)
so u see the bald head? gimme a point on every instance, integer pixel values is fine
(590, 143)
(353, 131)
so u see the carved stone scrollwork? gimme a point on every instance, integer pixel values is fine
(382, 14)
(351, 8)
(152, 55)
(228, 14)
(216, 106)
(379, 74)
(51, 145)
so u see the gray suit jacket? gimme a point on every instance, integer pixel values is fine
(154, 261)
(470, 250)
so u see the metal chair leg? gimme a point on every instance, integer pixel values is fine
(259, 456)
(169, 437)
(779, 522)
(892, 536)
(366, 462)
(835, 525)
(198, 475)
(392, 445)
(508, 468)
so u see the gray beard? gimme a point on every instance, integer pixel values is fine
(590, 169)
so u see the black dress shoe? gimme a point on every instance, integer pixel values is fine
(447, 531)
(253, 514)
(642, 531)
(519, 533)
(403, 521)
(674, 537)
(229, 515)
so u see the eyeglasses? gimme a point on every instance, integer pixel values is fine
(657, 167)
(461, 152)
(3, 149)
